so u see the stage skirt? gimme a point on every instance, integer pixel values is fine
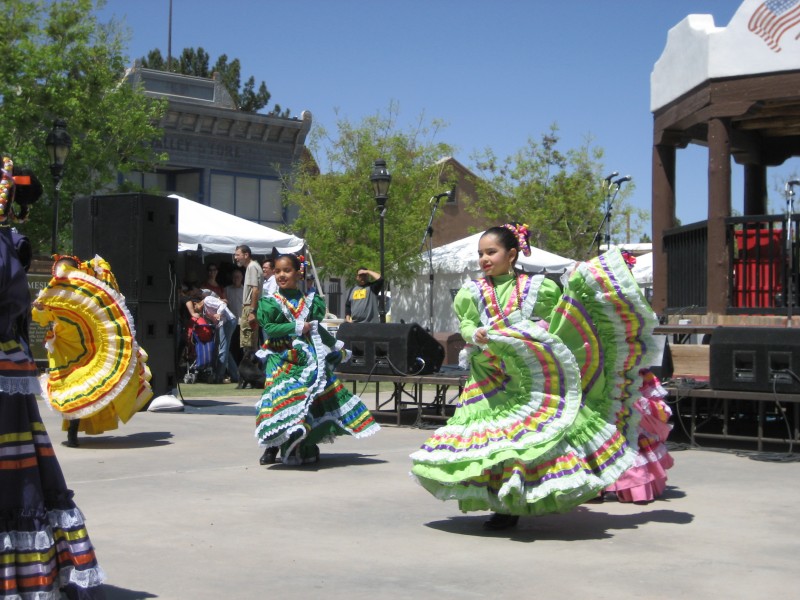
(520, 441)
(646, 480)
(97, 371)
(44, 545)
(304, 403)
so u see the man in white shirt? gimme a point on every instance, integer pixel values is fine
(270, 285)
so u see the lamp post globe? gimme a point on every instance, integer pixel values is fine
(381, 179)
(58, 144)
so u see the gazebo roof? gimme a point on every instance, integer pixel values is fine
(747, 72)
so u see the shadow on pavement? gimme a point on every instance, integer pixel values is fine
(580, 524)
(331, 461)
(146, 439)
(116, 593)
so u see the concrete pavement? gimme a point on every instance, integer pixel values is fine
(179, 508)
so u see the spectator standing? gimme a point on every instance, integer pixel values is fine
(362, 304)
(267, 269)
(212, 271)
(233, 296)
(251, 292)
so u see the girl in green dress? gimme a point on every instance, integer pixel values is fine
(303, 402)
(521, 441)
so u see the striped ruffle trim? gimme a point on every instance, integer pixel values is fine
(284, 408)
(18, 371)
(37, 564)
(548, 411)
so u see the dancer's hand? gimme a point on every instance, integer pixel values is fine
(481, 336)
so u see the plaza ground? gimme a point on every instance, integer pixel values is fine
(179, 508)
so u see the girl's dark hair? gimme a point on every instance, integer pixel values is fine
(505, 237)
(291, 257)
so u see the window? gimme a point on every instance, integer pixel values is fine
(253, 198)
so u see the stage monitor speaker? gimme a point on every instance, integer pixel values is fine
(390, 349)
(137, 234)
(156, 332)
(755, 359)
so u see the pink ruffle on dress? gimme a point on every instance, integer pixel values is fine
(647, 479)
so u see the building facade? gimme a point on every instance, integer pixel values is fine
(217, 155)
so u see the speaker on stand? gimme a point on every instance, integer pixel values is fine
(138, 235)
(755, 359)
(390, 349)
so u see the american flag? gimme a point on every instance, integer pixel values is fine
(772, 19)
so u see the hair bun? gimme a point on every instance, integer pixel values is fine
(522, 233)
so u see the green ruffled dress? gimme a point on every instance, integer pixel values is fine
(303, 402)
(521, 440)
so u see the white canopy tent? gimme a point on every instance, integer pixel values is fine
(219, 232)
(461, 256)
(210, 231)
(453, 265)
(643, 270)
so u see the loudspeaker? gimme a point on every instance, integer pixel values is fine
(137, 234)
(755, 359)
(157, 334)
(390, 349)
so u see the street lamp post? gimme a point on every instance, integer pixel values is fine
(381, 179)
(58, 144)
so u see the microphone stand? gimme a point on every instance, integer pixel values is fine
(429, 236)
(611, 194)
(789, 253)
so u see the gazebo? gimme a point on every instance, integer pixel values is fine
(736, 90)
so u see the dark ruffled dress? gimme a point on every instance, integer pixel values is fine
(44, 545)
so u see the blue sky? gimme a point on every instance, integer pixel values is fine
(496, 71)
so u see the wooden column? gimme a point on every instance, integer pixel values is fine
(755, 189)
(719, 208)
(663, 217)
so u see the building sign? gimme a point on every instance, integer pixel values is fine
(36, 283)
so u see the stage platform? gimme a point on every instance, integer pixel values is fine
(426, 397)
(759, 418)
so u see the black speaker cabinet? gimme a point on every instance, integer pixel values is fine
(137, 234)
(755, 359)
(390, 349)
(156, 332)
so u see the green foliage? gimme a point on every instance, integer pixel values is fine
(195, 62)
(60, 62)
(337, 210)
(558, 194)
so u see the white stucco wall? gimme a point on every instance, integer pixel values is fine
(698, 50)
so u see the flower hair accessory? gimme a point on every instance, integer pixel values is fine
(302, 260)
(18, 186)
(522, 233)
(6, 189)
(629, 258)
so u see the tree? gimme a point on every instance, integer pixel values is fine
(59, 62)
(195, 62)
(556, 193)
(337, 209)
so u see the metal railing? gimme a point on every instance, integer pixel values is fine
(760, 259)
(687, 267)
